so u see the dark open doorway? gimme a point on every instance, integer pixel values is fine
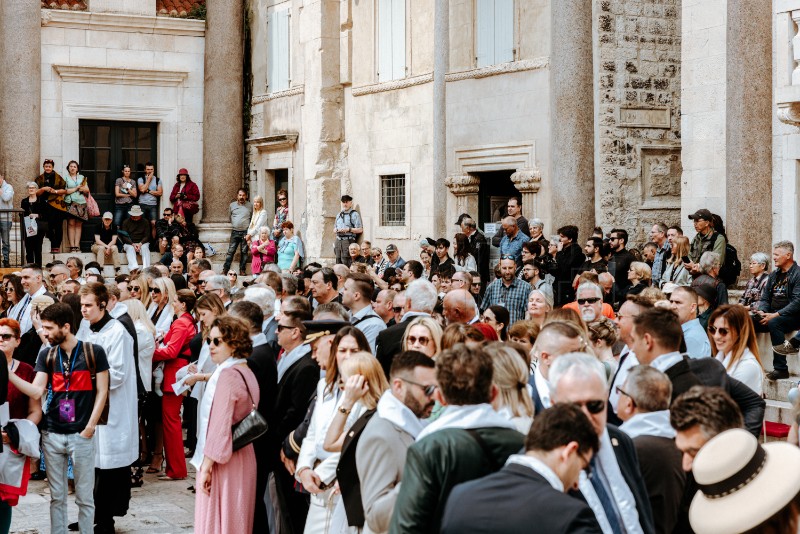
(495, 190)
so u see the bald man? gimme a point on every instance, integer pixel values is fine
(459, 307)
(512, 241)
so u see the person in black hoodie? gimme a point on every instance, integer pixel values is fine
(569, 260)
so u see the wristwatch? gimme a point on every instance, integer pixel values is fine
(344, 410)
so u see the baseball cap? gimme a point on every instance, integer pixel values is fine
(107, 215)
(701, 214)
(391, 248)
(462, 217)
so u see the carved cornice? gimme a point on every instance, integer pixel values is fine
(501, 68)
(463, 184)
(78, 74)
(789, 113)
(527, 180)
(292, 91)
(83, 20)
(273, 142)
(393, 85)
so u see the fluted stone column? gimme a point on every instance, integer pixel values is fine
(528, 182)
(20, 91)
(223, 138)
(465, 188)
(441, 56)
(571, 115)
(749, 127)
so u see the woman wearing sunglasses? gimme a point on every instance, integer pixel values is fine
(424, 335)
(731, 331)
(139, 289)
(226, 479)
(162, 294)
(174, 351)
(316, 467)
(14, 292)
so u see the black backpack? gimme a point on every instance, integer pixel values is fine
(730, 270)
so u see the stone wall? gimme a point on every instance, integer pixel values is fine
(637, 114)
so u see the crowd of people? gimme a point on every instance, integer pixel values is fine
(593, 388)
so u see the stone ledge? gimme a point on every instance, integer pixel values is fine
(78, 74)
(393, 85)
(501, 68)
(292, 91)
(81, 20)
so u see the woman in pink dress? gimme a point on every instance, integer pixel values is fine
(226, 479)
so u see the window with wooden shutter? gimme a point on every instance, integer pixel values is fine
(278, 73)
(494, 29)
(391, 39)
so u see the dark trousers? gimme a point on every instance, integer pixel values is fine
(112, 494)
(293, 504)
(190, 421)
(778, 328)
(55, 226)
(342, 250)
(33, 248)
(237, 240)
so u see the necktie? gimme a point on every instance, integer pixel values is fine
(619, 366)
(605, 498)
(22, 309)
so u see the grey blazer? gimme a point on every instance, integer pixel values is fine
(380, 459)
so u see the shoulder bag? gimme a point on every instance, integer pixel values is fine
(251, 427)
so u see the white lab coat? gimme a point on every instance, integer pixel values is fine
(117, 443)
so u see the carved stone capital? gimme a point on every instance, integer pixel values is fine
(789, 113)
(463, 184)
(527, 180)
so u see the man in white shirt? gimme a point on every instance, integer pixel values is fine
(6, 203)
(357, 295)
(684, 303)
(554, 339)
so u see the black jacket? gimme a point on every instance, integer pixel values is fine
(295, 389)
(618, 267)
(262, 363)
(347, 473)
(389, 343)
(569, 261)
(711, 372)
(479, 248)
(664, 478)
(792, 292)
(515, 500)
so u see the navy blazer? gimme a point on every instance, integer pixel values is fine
(515, 500)
(538, 406)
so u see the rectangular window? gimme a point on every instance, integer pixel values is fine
(278, 64)
(393, 200)
(494, 32)
(391, 40)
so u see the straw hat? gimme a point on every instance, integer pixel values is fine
(742, 484)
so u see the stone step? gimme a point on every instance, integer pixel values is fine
(779, 389)
(779, 412)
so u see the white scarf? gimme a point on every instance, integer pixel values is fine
(205, 410)
(467, 417)
(287, 360)
(621, 494)
(649, 424)
(397, 413)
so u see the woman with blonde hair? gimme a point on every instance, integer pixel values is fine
(731, 331)
(603, 334)
(145, 334)
(258, 219)
(511, 379)
(539, 305)
(676, 272)
(640, 276)
(139, 288)
(161, 312)
(423, 334)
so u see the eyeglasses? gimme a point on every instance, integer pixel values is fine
(6, 337)
(422, 340)
(622, 392)
(167, 215)
(282, 327)
(155, 290)
(594, 407)
(592, 300)
(216, 341)
(9, 289)
(429, 389)
(397, 309)
(588, 469)
(722, 331)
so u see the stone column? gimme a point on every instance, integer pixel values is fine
(572, 115)
(528, 182)
(465, 187)
(749, 127)
(441, 55)
(223, 138)
(20, 92)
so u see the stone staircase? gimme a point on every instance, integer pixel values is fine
(217, 261)
(779, 410)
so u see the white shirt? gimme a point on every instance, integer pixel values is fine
(542, 387)
(370, 327)
(649, 424)
(747, 370)
(22, 310)
(538, 466)
(622, 375)
(665, 361)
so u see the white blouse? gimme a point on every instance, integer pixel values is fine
(747, 370)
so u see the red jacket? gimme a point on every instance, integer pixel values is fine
(176, 348)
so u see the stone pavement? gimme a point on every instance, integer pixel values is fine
(156, 507)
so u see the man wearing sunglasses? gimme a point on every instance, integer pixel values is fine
(615, 492)
(656, 337)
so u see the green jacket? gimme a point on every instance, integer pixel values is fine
(707, 243)
(435, 464)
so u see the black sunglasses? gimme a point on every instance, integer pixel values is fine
(621, 391)
(6, 337)
(281, 199)
(282, 327)
(429, 389)
(722, 330)
(155, 290)
(592, 300)
(135, 289)
(594, 407)
(216, 341)
(232, 274)
(201, 282)
(397, 309)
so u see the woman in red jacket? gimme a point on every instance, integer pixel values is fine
(185, 196)
(175, 351)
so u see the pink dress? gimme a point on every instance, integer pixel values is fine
(231, 505)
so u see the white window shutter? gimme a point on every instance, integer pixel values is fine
(384, 40)
(398, 39)
(503, 31)
(485, 40)
(283, 49)
(272, 55)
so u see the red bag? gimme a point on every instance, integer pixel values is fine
(91, 206)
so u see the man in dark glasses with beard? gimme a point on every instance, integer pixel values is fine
(615, 492)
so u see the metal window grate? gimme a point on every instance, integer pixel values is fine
(393, 200)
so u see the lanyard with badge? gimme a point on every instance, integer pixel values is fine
(66, 407)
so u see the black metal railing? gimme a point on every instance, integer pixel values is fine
(12, 219)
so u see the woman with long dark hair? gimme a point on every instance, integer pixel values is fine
(464, 261)
(731, 332)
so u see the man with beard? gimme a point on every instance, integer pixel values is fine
(381, 451)
(508, 291)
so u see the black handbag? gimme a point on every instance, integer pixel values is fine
(252, 427)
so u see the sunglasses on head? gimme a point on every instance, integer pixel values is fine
(508, 257)
(592, 300)
(722, 330)
(216, 341)
(594, 407)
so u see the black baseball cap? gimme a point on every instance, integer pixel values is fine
(462, 217)
(703, 214)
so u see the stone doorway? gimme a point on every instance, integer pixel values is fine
(494, 191)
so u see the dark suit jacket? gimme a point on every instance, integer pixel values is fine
(295, 389)
(515, 500)
(480, 250)
(664, 478)
(389, 343)
(628, 463)
(538, 406)
(711, 372)
(262, 363)
(347, 472)
(271, 331)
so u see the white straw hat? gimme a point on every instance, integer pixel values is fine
(742, 484)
